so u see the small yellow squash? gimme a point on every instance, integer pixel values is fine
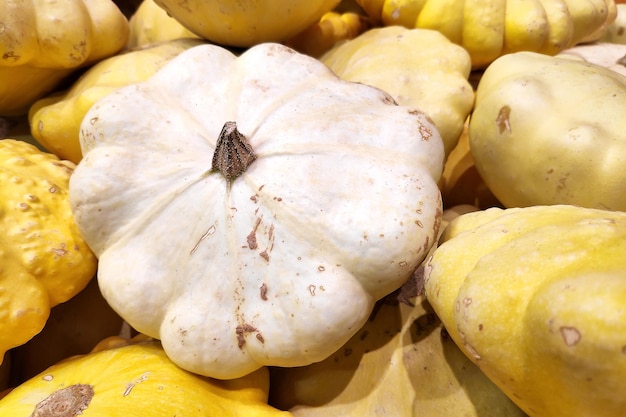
(135, 380)
(417, 67)
(44, 259)
(491, 28)
(42, 42)
(246, 23)
(535, 297)
(55, 119)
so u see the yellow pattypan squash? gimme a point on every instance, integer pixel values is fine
(535, 297)
(290, 200)
(151, 24)
(42, 42)
(550, 130)
(55, 119)
(417, 67)
(491, 28)
(135, 380)
(245, 23)
(44, 259)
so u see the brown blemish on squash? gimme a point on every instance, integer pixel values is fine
(425, 132)
(60, 251)
(67, 402)
(503, 120)
(387, 99)
(11, 56)
(471, 350)
(241, 333)
(571, 335)
(251, 238)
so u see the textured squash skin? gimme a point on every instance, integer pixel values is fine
(246, 23)
(136, 380)
(535, 297)
(67, 35)
(55, 120)
(550, 130)
(44, 259)
(282, 264)
(418, 67)
(491, 28)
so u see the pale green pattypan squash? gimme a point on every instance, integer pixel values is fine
(536, 298)
(550, 130)
(250, 210)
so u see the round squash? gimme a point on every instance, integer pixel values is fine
(246, 23)
(550, 130)
(289, 200)
(535, 298)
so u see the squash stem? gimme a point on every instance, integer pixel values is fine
(233, 154)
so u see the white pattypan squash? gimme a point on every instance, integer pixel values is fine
(250, 210)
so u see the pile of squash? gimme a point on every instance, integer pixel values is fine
(311, 209)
